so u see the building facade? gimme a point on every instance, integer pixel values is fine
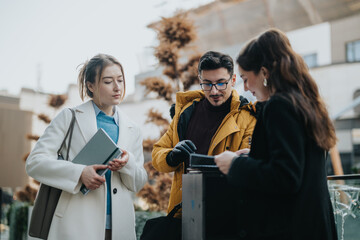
(325, 33)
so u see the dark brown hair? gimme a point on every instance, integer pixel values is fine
(289, 77)
(91, 72)
(213, 60)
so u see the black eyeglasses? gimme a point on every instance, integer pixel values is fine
(218, 86)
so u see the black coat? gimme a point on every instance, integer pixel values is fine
(282, 185)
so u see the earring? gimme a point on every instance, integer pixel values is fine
(265, 82)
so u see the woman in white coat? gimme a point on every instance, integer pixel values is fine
(107, 212)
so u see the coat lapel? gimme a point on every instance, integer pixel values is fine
(86, 119)
(125, 129)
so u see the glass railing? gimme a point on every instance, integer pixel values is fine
(345, 197)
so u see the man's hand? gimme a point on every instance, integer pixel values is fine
(90, 178)
(180, 153)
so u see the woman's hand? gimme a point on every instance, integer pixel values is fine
(117, 164)
(90, 178)
(224, 160)
(243, 151)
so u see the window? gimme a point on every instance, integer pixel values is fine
(311, 60)
(353, 51)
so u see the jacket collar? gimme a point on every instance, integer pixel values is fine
(184, 98)
(115, 116)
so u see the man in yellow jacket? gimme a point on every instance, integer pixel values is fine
(207, 121)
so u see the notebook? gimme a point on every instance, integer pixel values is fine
(100, 149)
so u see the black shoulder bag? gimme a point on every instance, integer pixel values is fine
(163, 228)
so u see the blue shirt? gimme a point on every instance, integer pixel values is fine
(110, 124)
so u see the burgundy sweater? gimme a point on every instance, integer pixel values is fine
(204, 122)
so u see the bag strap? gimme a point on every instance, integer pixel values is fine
(175, 209)
(69, 131)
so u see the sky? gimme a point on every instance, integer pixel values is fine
(42, 42)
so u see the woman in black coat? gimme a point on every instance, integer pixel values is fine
(282, 185)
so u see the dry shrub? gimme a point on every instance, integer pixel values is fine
(154, 116)
(190, 78)
(150, 196)
(167, 54)
(173, 34)
(44, 118)
(151, 171)
(163, 186)
(148, 144)
(156, 192)
(57, 100)
(28, 194)
(32, 137)
(156, 84)
(178, 29)
(189, 72)
(171, 72)
(193, 61)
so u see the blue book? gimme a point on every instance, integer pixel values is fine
(100, 149)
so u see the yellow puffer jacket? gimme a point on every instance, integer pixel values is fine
(234, 133)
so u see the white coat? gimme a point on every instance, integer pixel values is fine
(78, 216)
